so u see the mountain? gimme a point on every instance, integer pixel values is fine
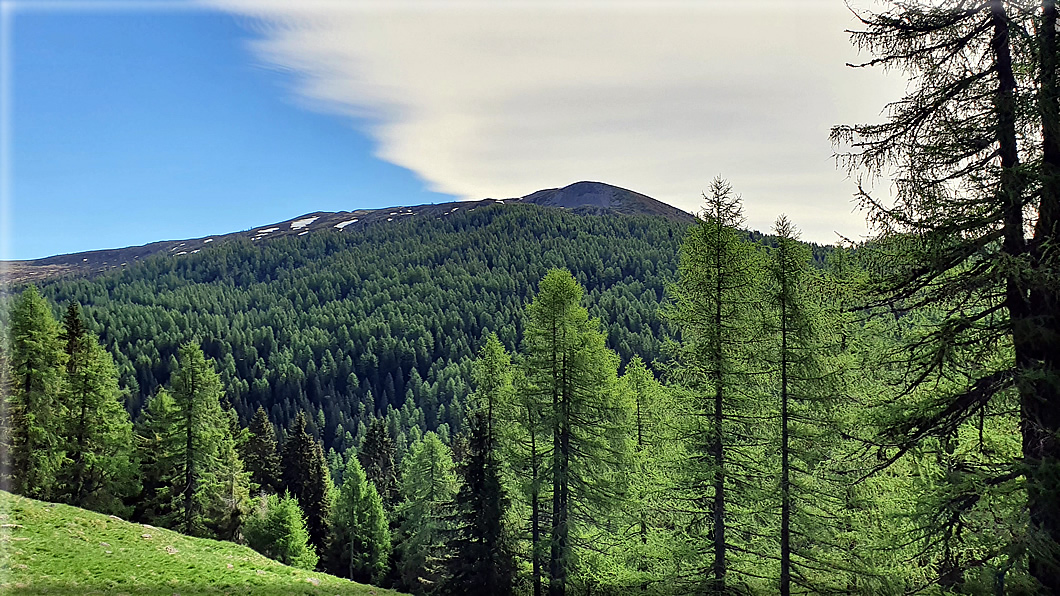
(598, 198)
(583, 198)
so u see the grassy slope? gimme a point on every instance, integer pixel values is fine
(56, 549)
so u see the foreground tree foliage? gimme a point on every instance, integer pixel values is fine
(974, 149)
(35, 406)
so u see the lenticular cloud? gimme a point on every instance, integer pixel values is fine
(502, 99)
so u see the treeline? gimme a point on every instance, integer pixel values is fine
(346, 325)
(742, 466)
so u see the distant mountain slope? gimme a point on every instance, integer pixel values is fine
(58, 549)
(585, 198)
(597, 197)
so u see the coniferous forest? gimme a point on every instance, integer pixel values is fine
(525, 400)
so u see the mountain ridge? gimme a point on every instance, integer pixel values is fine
(583, 198)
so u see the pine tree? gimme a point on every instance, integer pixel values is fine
(711, 307)
(36, 410)
(482, 561)
(377, 456)
(428, 486)
(306, 477)
(260, 456)
(359, 545)
(276, 528)
(568, 364)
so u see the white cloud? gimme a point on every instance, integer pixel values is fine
(502, 99)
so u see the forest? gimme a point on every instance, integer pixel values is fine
(519, 400)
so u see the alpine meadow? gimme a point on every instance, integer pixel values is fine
(584, 390)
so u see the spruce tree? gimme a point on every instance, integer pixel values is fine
(156, 446)
(260, 457)
(306, 477)
(35, 406)
(378, 456)
(482, 561)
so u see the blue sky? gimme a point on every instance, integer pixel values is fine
(134, 125)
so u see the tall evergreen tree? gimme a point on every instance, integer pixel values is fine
(482, 561)
(378, 456)
(200, 426)
(36, 410)
(276, 528)
(428, 486)
(101, 469)
(156, 442)
(232, 500)
(359, 545)
(259, 453)
(306, 476)
(711, 307)
(568, 364)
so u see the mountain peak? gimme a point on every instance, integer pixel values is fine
(598, 196)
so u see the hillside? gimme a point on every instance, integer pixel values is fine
(346, 324)
(582, 197)
(57, 549)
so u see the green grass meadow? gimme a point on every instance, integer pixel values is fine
(47, 548)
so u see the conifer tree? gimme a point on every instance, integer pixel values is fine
(806, 431)
(306, 477)
(481, 561)
(711, 307)
(568, 364)
(260, 457)
(276, 528)
(428, 486)
(232, 500)
(36, 410)
(973, 149)
(156, 442)
(359, 545)
(100, 470)
(200, 427)
(377, 456)
(527, 451)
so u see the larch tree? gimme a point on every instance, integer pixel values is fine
(194, 440)
(428, 487)
(712, 308)
(359, 545)
(973, 150)
(568, 365)
(101, 468)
